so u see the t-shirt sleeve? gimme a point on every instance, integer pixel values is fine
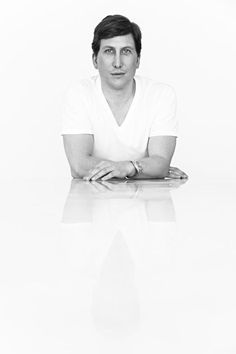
(75, 114)
(165, 121)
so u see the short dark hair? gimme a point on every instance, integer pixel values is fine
(113, 26)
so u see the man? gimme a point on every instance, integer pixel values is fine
(118, 124)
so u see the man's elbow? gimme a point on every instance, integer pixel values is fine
(79, 169)
(77, 173)
(163, 173)
(163, 166)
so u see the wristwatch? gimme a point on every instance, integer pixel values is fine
(138, 167)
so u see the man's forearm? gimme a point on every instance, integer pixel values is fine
(152, 167)
(92, 168)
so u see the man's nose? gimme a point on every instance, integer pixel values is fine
(117, 61)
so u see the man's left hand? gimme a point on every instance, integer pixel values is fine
(175, 172)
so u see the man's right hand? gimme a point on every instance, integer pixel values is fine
(106, 170)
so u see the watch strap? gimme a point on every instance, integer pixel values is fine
(138, 167)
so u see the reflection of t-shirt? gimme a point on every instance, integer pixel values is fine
(151, 113)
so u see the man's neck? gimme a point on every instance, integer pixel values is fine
(117, 96)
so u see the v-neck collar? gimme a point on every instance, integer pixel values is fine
(108, 109)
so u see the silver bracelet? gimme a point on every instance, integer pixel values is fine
(138, 167)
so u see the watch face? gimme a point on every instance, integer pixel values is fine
(138, 166)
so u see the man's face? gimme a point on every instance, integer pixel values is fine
(117, 61)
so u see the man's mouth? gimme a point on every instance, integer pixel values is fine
(117, 74)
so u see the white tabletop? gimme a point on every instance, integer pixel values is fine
(119, 267)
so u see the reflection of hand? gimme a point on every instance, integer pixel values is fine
(109, 169)
(113, 186)
(176, 182)
(168, 183)
(175, 172)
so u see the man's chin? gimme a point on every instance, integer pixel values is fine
(118, 82)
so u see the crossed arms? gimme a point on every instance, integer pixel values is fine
(79, 152)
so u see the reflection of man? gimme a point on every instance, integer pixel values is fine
(118, 124)
(110, 201)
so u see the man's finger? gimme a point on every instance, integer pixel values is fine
(109, 176)
(101, 173)
(96, 169)
(177, 173)
(94, 172)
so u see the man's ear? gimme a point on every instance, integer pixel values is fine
(138, 62)
(95, 61)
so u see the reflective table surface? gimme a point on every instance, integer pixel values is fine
(118, 267)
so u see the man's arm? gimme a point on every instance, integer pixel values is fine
(79, 150)
(156, 165)
(160, 152)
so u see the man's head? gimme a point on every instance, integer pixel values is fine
(114, 26)
(116, 51)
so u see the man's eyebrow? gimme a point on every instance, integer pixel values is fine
(127, 46)
(107, 46)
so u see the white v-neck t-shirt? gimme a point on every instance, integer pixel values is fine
(152, 113)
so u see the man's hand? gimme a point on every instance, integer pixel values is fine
(175, 172)
(106, 170)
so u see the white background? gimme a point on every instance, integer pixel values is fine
(46, 45)
(64, 249)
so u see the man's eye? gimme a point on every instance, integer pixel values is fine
(109, 51)
(126, 51)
